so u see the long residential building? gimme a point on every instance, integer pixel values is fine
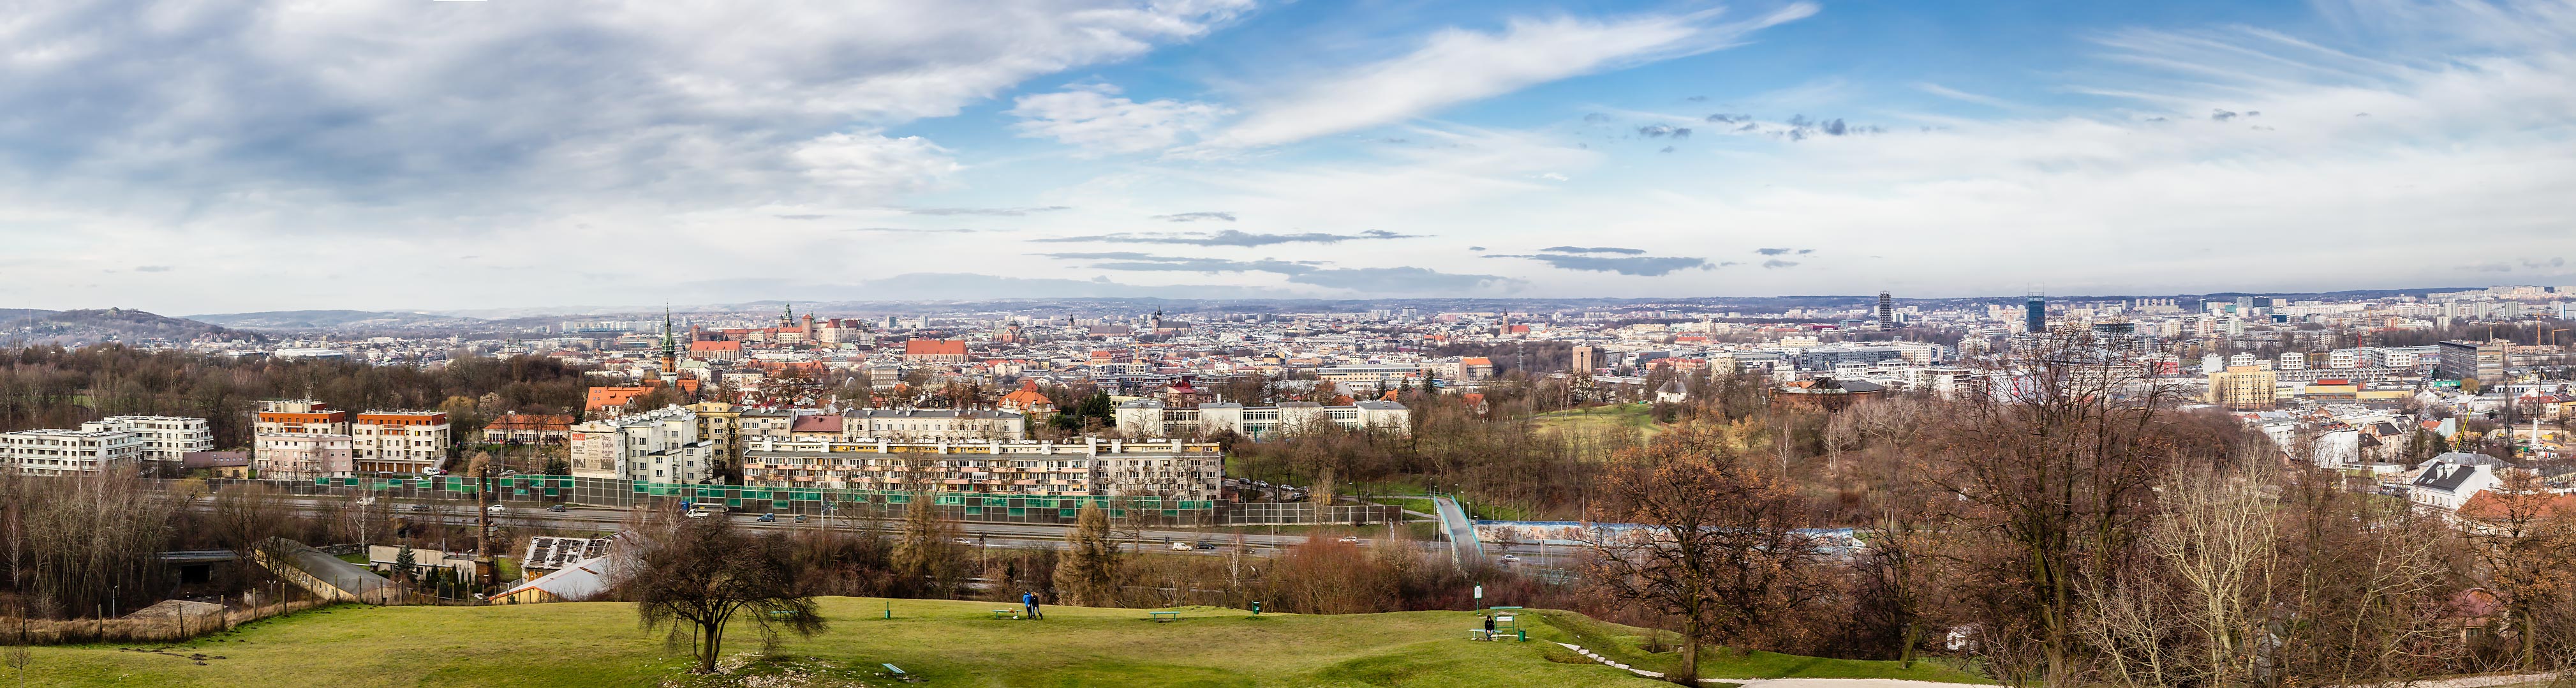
(1151, 418)
(1094, 467)
(66, 452)
(659, 446)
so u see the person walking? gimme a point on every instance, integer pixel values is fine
(1030, 601)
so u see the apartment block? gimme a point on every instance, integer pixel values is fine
(655, 446)
(1093, 467)
(1152, 418)
(299, 439)
(166, 439)
(2242, 388)
(69, 452)
(399, 441)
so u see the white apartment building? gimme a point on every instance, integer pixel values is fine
(399, 441)
(2293, 360)
(165, 438)
(1149, 417)
(1093, 467)
(659, 446)
(919, 425)
(66, 452)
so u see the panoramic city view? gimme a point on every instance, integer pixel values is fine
(1401, 343)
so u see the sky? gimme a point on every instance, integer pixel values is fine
(207, 157)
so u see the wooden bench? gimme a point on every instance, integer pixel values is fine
(1160, 617)
(1006, 613)
(1479, 634)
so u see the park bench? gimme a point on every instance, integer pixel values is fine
(1006, 613)
(1160, 617)
(897, 673)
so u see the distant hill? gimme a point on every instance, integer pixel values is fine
(87, 326)
(338, 320)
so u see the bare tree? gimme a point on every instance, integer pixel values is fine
(699, 576)
(1722, 551)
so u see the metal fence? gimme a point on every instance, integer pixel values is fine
(1305, 513)
(540, 490)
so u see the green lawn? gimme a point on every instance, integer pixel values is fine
(950, 643)
(1625, 644)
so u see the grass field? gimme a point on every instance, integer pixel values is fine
(949, 643)
(1635, 418)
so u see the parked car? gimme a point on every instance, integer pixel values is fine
(767, 518)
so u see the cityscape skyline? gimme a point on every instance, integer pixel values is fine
(1207, 149)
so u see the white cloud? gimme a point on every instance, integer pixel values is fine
(1459, 65)
(1096, 119)
(874, 162)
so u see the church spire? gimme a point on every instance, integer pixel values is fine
(670, 347)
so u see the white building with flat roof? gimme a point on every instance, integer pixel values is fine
(70, 452)
(659, 446)
(1149, 417)
(165, 438)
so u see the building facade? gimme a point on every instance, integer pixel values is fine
(70, 452)
(1093, 467)
(2244, 388)
(2464, 360)
(399, 441)
(655, 446)
(1151, 418)
(166, 439)
(295, 439)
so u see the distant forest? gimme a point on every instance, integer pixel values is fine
(53, 387)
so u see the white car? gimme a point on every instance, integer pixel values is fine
(1350, 539)
(699, 514)
(496, 508)
(1511, 558)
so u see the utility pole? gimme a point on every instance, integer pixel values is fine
(482, 517)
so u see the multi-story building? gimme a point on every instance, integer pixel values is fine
(934, 351)
(1357, 379)
(166, 439)
(64, 452)
(930, 425)
(2293, 360)
(1093, 467)
(304, 457)
(1151, 418)
(659, 446)
(294, 439)
(2244, 388)
(399, 441)
(529, 428)
(2481, 360)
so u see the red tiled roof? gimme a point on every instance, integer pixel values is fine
(603, 397)
(816, 423)
(934, 347)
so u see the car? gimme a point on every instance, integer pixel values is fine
(1511, 558)
(497, 508)
(1207, 545)
(420, 507)
(963, 541)
(800, 518)
(1182, 545)
(433, 471)
(1350, 539)
(699, 514)
(556, 508)
(767, 518)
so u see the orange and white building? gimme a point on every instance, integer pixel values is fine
(299, 439)
(399, 441)
(934, 351)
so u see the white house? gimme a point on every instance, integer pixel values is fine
(2449, 480)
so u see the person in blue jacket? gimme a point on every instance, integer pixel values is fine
(1030, 600)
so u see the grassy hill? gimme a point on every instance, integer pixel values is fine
(950, 643)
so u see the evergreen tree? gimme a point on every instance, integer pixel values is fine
(1088, 574)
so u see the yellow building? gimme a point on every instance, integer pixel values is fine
(2242, 388)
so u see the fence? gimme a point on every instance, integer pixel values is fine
(1306, 513)
(159, 629)
(538, 491)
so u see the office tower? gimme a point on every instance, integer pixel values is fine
(2034, 314)
(1886, 311)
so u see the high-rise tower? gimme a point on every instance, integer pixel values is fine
(1886, 311)
(2034, 314)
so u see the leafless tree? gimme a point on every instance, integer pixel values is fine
(699, 576)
